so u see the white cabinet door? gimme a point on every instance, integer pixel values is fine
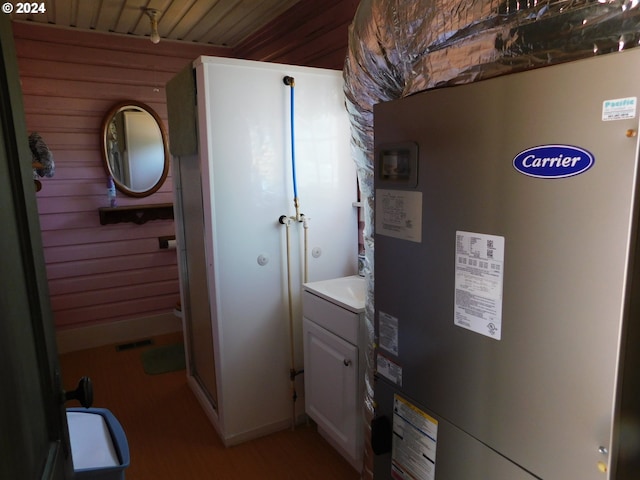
(331, 366)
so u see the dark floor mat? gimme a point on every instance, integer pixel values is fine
(163, 359)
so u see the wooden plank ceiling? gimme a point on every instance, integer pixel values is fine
(212, 22)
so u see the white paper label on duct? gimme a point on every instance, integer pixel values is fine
(479, 276)
(389, 369)
(619, 109)
(388, 332)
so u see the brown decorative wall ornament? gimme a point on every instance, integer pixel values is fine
(42, 159)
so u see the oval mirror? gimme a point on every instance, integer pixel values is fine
(135, 148)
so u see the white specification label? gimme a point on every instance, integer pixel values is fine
(415, 435)
(399, 214)
(388, 333)
(479, 278)
(619, 109)
(389, 369)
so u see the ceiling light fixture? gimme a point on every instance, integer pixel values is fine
(152, 14)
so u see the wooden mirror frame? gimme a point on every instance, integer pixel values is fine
(105, 153)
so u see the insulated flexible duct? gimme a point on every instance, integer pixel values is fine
(401, 47)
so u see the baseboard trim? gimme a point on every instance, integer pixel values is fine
(72, 339)
(263, 431)
(236, 439)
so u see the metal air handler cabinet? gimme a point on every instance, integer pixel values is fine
(506, 276)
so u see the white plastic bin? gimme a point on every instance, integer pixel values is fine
(98, 444)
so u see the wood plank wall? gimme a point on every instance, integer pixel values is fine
(70, 79)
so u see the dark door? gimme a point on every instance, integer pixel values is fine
(34, 441)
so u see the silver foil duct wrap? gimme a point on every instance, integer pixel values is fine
(401, 47)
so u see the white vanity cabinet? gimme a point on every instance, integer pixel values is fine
(334, 374)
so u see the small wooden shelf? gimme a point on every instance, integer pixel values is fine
(137, 214)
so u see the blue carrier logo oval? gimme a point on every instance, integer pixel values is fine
(553, 161)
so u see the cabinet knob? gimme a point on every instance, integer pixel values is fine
(346, 362)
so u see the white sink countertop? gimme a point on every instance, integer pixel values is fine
(347, 292)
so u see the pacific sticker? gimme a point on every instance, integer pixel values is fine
(619, 109)
(553, 161)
